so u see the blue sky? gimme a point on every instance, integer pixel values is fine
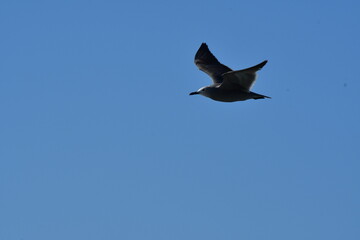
(100, 140)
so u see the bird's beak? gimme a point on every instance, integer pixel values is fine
(193, 93)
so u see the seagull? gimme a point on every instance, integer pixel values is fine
(228, 85)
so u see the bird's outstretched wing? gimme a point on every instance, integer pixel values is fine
(243, 79)
(208, 63)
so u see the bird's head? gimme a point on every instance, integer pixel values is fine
(202, 91)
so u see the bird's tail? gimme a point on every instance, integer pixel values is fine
(259, 96)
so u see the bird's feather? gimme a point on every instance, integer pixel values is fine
(208, 63)
(243, 79)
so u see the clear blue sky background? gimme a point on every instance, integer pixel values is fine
(100, 140)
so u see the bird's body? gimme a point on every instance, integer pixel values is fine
(217, 93)
(228, 85)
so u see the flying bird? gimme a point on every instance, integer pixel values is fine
(228, 85)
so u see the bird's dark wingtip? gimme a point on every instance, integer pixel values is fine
(203, 47)
(201, 52)
(262, 64)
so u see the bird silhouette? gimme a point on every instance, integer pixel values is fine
(228, 85)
